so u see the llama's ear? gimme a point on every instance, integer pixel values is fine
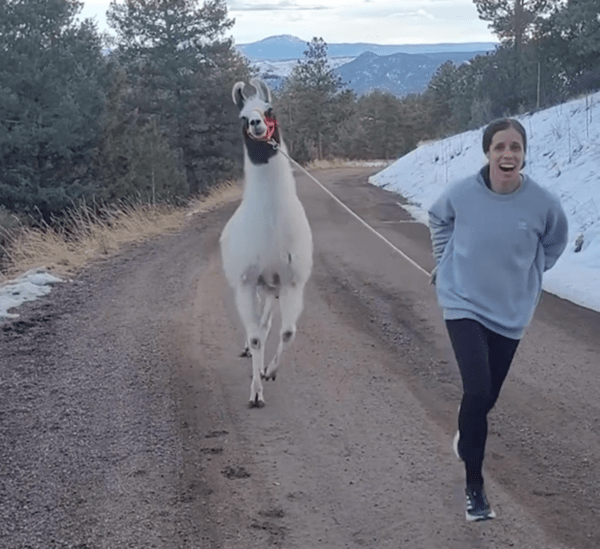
(262, 89)
(238, 95)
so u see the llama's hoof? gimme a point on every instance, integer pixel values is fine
(256, 403)
(245, 353)
(271, 371)
(268, 377)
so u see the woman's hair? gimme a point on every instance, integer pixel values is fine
(499, 125)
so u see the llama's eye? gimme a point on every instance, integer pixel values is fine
(269, 112)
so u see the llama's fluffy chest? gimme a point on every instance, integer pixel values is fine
(269, 241)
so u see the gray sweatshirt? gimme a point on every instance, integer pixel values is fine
(492, 249)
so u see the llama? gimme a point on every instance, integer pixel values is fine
(266, 246)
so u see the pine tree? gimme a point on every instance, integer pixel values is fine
(181, 71)
(135, 161)
(573, 43)
(379, 113)
(514, 21)
(442, 88)
(51, 104)
(518, 24)
(314, 103)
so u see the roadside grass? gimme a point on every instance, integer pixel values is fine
(327, 164)
(90, 233)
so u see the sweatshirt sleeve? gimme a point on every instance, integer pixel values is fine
(554, 239)
(441, 225)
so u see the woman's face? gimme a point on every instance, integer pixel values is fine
(506, 157)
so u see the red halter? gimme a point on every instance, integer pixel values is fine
(271, 125)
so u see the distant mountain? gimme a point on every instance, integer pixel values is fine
(400, 74)
(285, 47)
(275, 47)
(399, 69)
(275, 72)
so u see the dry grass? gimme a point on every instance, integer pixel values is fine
(345, 163)
(92, 235)
(221, 195)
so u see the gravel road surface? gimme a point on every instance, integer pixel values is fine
(124, 419)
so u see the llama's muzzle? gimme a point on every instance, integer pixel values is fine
(270, 124)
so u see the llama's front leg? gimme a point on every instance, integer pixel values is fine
(257, 400)
(291, 303)
(247, 306)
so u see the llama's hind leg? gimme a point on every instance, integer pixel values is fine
(247, 306)
(265, 324)
(246, 352)
(291, 303)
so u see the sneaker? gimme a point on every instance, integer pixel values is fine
(455, 441)
(478, 507)
(455, 446)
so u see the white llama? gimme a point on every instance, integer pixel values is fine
(266, 246)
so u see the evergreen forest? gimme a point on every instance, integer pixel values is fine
(145, 111)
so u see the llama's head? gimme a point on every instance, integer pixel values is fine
(259, 124)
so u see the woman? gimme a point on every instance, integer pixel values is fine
(494, 234)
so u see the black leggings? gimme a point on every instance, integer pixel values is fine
(484, 358)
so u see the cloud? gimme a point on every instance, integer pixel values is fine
(282, 5)
(381, 21)
(420, 13)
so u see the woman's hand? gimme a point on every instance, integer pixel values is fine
(433, 276)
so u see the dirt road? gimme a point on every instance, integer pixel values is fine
(124, 419)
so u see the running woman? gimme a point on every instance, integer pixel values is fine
(494, 234)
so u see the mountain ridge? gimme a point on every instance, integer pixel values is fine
(287, 47)
(398, 69)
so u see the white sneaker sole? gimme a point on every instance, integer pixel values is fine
(477, 518)
(455, 445)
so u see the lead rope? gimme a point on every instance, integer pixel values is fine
(275, 146)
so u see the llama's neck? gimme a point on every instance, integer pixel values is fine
(258, 152)
(271, 181)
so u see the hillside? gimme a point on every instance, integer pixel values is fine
(400, 73)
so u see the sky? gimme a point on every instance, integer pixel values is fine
(374, 21)
(563, 153)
